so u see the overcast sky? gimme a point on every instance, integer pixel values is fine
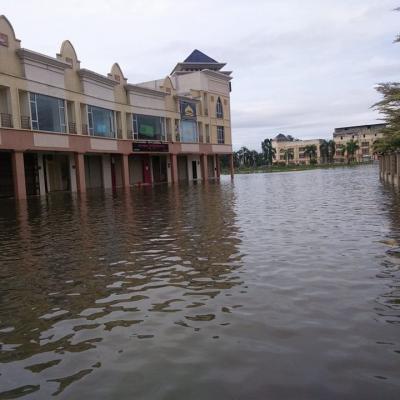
(300, 67)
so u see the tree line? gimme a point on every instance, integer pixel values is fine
(245, 157)
(389, 107)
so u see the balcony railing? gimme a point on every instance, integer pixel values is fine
(169, 136)
(6, 120)
(84, 129)
(119, 133)
(208, 140)
(72, 128)
(201, 140)
(130, 134)
(25, 122)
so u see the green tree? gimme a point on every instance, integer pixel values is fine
(289, 155)
(324, 151)
(331, 151)
(351, 147)
(243, 156)
(327, 150)
(389, 107)
(311, 152)
(269, 152)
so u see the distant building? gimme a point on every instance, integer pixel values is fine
(291, 151)
(364, 135)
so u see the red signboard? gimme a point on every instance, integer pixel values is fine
(150, 147)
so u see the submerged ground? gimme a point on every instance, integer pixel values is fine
(276, 286)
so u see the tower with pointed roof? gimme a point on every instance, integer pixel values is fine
(198, 61)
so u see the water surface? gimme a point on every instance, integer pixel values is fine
(276, 286)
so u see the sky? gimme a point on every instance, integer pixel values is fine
(299, 67)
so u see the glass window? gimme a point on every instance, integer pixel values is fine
(188, 131)
(221, 134)
(148, 127)
(47, 113)
(220, 110)
(101, 122)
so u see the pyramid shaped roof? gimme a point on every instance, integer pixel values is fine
(197, 56)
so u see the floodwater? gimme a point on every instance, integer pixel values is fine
(276, 286)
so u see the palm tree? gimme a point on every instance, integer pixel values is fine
(311, 151)
(324, 150)
(351, 148)
(268, 150)
(288, 154)
(331, 150)
(243, 155)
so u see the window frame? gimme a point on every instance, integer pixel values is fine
(220, 131)
(33, 109)
(135, 128)
(112, 134)
(219, 109)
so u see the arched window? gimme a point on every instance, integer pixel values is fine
(220, 110)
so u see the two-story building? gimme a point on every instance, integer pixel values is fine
(63, 127)
(289, 150)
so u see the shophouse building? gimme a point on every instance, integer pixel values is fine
(67, 128)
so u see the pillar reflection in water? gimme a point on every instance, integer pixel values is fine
(83, 275)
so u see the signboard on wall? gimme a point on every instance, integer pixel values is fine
(150, 147)
(188, 109)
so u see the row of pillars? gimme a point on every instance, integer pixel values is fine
(389, 168)
(19, 171)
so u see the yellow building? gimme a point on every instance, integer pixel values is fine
(292, 151)
(63, 127)
(364, 135)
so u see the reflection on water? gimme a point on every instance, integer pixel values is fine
(274, 286)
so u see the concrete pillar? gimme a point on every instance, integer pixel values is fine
(42, 184)
(106, 168)
(217, 166)
(125, 171)
(204, 167)
(232, 168)
(174, 168)
(72, 174)
(18, 168)
(80, 172)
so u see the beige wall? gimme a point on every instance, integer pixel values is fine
(297, 149)
(365, 137)
(23, 71)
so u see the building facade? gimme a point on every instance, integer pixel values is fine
(292, 151)
(364, 135)
(63, 127)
